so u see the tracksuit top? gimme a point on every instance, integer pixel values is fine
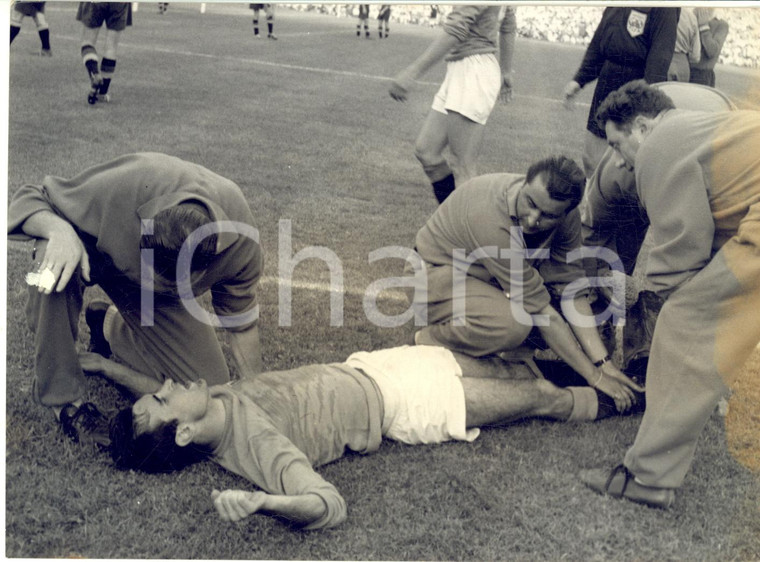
(698, 176)
(481, 214)
(107, 203)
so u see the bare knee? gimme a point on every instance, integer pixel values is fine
(435, 169)
(427, 155)
(481, 341)
(511, 336)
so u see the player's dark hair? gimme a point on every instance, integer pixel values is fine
(630, 100)
(171, 228)
(564, 179)
(154, 451)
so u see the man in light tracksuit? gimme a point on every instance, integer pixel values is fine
(100, 227)
(698, 177)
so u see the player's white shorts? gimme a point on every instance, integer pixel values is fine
(471, 87)
(422, 393)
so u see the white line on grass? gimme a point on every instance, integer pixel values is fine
(298, 67)
(393, 295)
(390, 295)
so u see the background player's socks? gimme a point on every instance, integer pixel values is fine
(90, 60)
(107, 68)
(45, 39)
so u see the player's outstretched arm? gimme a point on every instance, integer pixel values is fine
(236, 505)
(137, 383)
(507, 35)
(403, 81)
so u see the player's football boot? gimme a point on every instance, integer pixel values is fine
(96, 81)
(103, 94)
(85, 425)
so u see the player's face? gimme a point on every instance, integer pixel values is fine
(537, 211)
(625, 143)
(173, 401)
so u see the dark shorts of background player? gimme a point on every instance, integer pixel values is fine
(30, 9)
(257, 6)
(384, 15)
(116, 15)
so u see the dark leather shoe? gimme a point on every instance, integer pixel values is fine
(621, 483)
(95, 316)
(85, 425)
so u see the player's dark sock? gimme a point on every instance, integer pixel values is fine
(14, 31)
(104, 86)
(107, 68)
(443, 188)
(95, 316)
(270, 27)
(90, 59)
(45, 38)
(255, 27)
(359, 30)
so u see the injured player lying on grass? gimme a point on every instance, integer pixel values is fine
(275, 427)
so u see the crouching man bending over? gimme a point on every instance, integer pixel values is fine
(274, 430)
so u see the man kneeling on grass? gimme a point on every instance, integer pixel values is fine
(274, 428)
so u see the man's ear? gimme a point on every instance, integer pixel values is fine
(643, 124)
(185, 434)
(638, 123)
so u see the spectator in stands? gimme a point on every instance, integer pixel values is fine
(712, 34)
(628, 44)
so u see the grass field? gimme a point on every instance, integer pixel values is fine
(305, 126)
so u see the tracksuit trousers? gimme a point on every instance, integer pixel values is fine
(705, 332)
(176, 345)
